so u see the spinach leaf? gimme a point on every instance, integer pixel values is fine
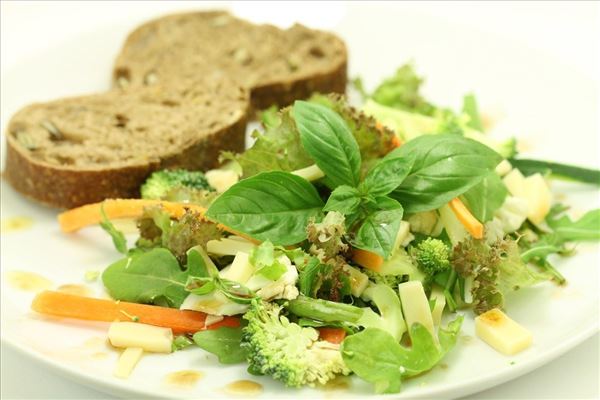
(150, 277)
(379, 229)
(472, 110)
(375, 356)
(386, 176)
(223, 342)
(326, 137)
(445, 167)
(274, 206)
(486, 197)
(343, 199)
(117, 236)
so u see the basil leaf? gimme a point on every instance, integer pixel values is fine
(486, 197)
(223, 342)
(386, 175)
(343, 199)
(273, 206)
(445, 167)
(147, 277)
(328, 140)
(118, 238)
(379, 230)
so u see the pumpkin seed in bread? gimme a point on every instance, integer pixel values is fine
(81, 150)
(279, 66)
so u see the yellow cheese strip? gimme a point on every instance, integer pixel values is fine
(415, 305)
(438, 308)
(502, 333)
(148, 337)
(127, 362)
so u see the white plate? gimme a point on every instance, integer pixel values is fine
(510, 80)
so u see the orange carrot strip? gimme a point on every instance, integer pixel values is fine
(91, 309)
(332, 335)
(90, 214)
(367, 259)
(471, 224)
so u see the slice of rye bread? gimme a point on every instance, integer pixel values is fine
(278, 66)
(81, 150)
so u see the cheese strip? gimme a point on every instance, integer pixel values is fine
(501, 332)
(127, 362)
(415, 305)
(148, 337)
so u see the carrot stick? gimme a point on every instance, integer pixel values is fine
(367, 259)
(90, 214)
(80, 217)
(91, 309)
(474, 227)
(332, 335)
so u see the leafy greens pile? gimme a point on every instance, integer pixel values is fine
(336, 210)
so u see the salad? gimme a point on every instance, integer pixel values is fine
(345, 240)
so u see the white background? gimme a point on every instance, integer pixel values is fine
(569, 32)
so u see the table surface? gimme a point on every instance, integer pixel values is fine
(570, 31)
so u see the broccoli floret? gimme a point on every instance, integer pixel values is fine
(288, 352)
(160, 183)
(431, 256)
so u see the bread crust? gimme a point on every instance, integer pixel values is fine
(63, 187)
(283, 94)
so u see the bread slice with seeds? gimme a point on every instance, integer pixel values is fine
(80, 150)
(278, 66)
